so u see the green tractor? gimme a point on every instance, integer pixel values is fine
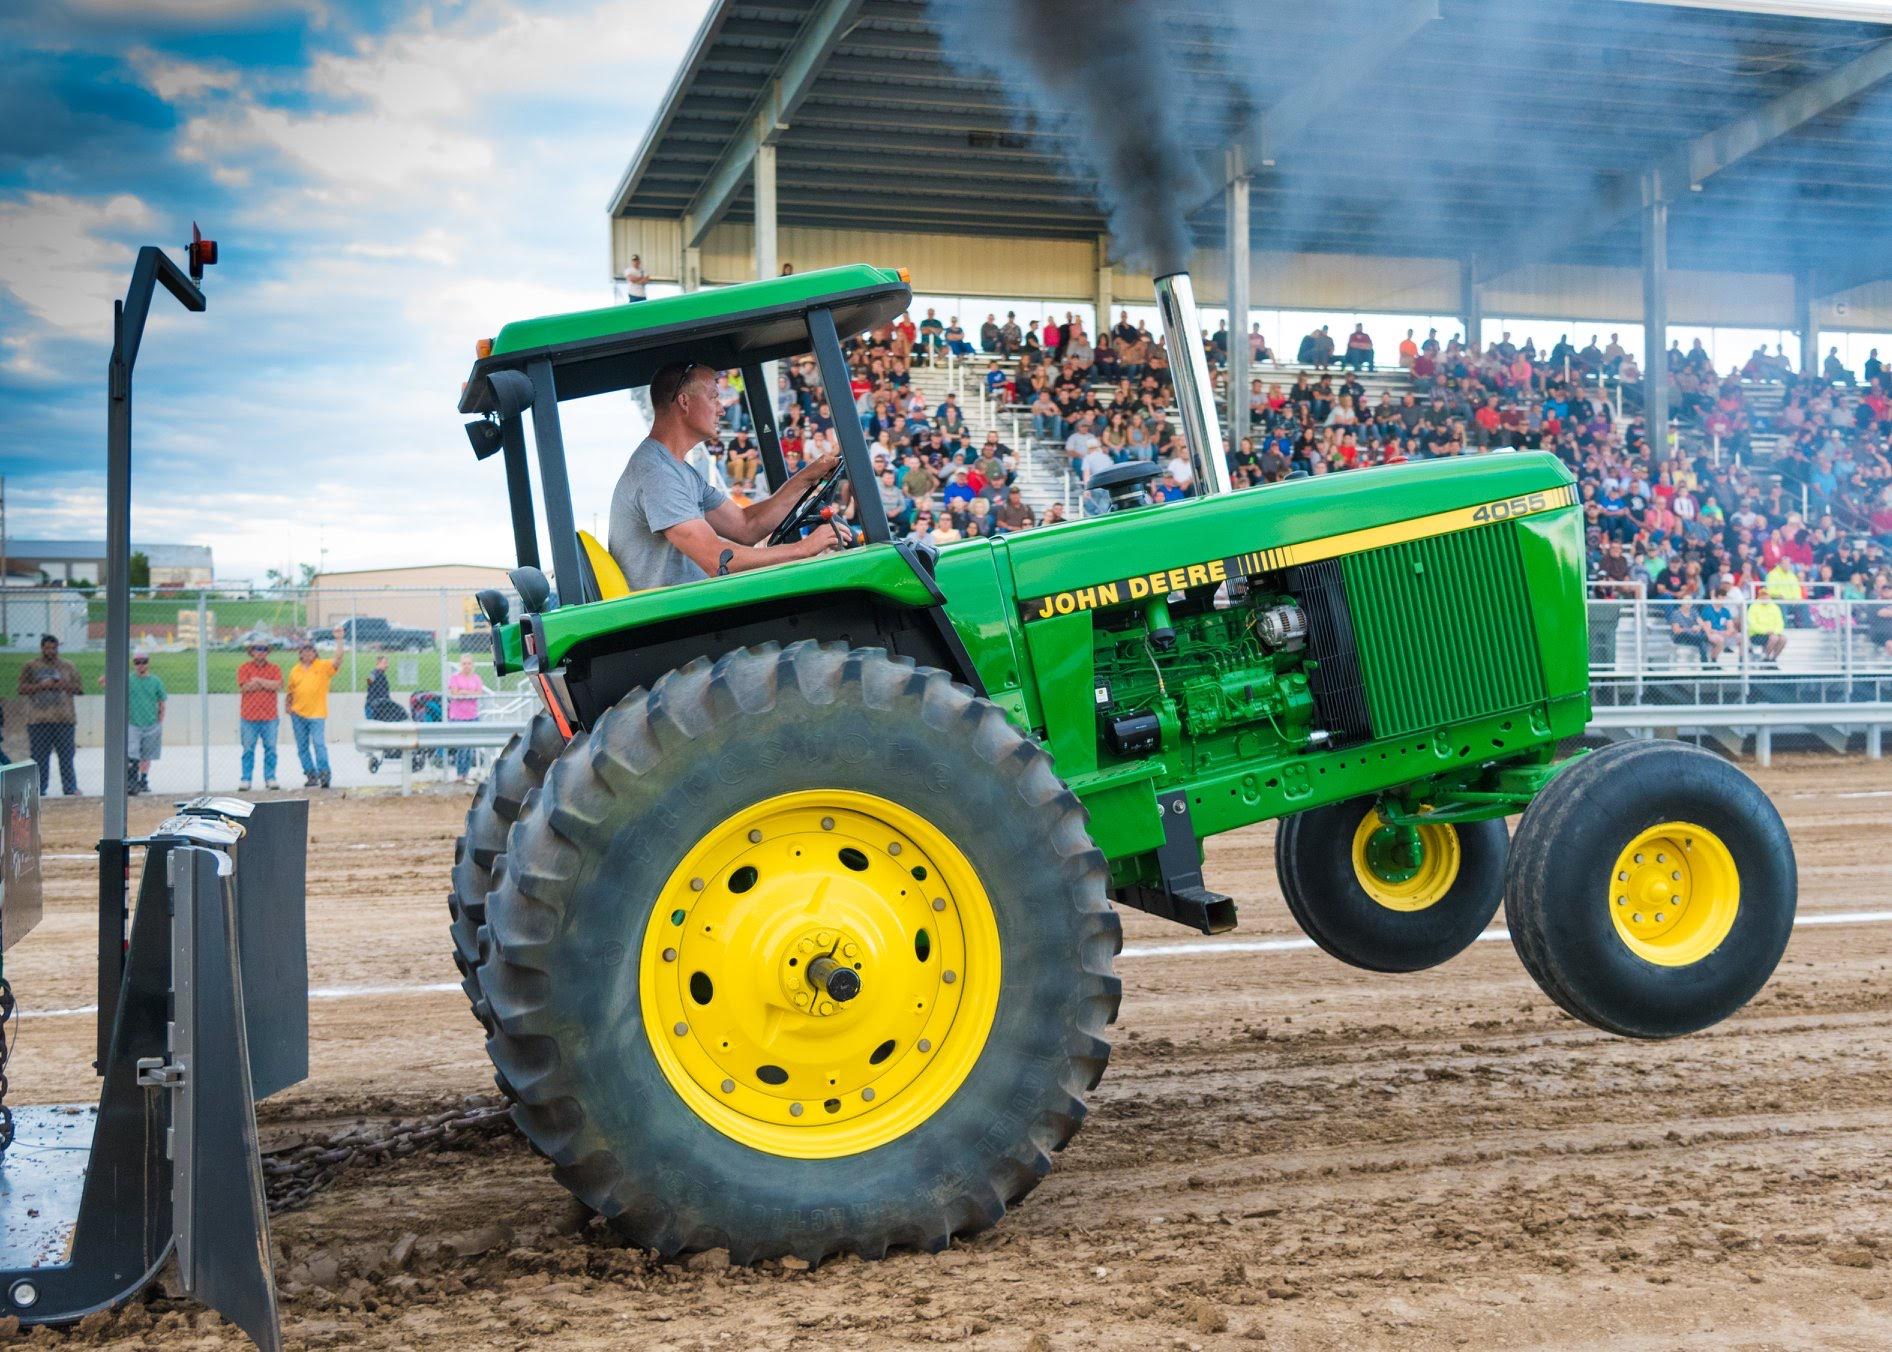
(790, 919)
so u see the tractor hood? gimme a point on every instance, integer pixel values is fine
(1299, 521)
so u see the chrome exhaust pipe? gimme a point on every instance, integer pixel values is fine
(1189, 369)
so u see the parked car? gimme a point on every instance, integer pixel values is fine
(371, 631)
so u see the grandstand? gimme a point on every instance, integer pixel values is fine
(1706, 179)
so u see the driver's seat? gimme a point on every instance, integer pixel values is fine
(603, 579)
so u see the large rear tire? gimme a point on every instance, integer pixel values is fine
(1356, 887)
(518, 771)
(1651, 890)
(669, 893)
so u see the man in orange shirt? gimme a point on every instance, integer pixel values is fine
(258, 680)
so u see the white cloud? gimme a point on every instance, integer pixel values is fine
(59, 256)
(411, 194)
(171, 78)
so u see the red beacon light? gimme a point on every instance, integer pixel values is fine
(202, 253)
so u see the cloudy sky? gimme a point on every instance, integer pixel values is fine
(388, 181)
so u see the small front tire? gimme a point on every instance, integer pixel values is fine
(1651, 890)
(1357, 890)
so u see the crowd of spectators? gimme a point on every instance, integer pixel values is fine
(1721, 547)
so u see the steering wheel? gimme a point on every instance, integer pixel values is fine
(807, 509)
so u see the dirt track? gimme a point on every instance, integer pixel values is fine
(1284, 1149)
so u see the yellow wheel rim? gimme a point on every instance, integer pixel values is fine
(1387, 871)
(903, 945)
(1674, 893)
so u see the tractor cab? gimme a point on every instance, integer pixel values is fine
(535, 364)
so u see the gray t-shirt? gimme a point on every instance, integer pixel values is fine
(655, 492)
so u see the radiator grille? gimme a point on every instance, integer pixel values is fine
(1444, 629)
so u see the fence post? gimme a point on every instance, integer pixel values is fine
(443, 675)
(1642, 633)
(203, 686)
(354, 642)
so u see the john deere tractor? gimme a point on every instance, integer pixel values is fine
(791, 918)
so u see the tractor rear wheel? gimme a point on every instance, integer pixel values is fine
(519, 770)
(804, 951)
(1651, 890)
(1387, 899)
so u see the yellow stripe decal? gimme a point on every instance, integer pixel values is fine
(1163, 581)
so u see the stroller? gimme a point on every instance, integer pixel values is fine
(424, 706)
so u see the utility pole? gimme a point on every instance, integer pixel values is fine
(6, 630)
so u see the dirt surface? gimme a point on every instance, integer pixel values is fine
(1285, 1150)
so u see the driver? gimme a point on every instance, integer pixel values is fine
(669, 525)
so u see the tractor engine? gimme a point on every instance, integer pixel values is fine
(1208, 678)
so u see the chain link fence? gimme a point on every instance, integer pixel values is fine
(204, 718)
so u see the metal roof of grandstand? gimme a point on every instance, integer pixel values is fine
(1512, 130)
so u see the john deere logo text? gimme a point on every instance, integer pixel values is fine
(1160, 583)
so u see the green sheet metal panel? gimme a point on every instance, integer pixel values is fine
(1444, 629)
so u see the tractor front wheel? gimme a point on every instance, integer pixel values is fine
(1385, 897)
(1651, 890)
(804, 951)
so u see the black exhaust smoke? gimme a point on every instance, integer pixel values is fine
(1111, 77)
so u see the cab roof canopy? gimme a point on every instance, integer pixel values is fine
(622, 346)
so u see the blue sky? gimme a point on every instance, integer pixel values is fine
(388, 182)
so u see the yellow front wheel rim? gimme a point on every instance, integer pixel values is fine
(1387, 871)
(1674, 894)
(903, 943)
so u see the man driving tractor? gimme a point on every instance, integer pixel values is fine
(669, 525)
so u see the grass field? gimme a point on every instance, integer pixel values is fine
(264, 612)
(178, 671)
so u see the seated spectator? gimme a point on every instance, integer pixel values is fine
(1766, 629)
(956, 339)
(989, 334)
(1687, 630)
(1408, 351)
(932, 332)
(1015, 514)
(1359, 350)
(1835, 370)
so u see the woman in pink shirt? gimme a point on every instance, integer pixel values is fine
(464, 689)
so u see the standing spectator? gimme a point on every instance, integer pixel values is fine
(308, 684)
(636, 281)
(144, 730)
(49, 683)
(464, 689)
(258, 680)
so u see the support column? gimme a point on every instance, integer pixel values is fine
(1105, 297)
(1471, 302)
(1236, 204)
(1655, 325)
(692, 269)
(767, 264)
(1806, 321)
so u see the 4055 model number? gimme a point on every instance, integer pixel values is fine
(1498, 511)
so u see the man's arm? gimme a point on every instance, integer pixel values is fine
(752, 524)
(709, 550)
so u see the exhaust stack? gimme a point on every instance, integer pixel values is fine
(1189, 369)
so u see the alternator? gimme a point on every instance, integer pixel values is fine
(1282, 627)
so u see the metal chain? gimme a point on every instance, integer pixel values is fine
(293, 1174)
(6, 1053)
